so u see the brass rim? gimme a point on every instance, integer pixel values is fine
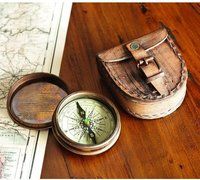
(82, 152)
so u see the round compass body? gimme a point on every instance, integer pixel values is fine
(86, 123)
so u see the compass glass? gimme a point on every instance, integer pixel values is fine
(86, 121)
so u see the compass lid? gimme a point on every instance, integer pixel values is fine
(33, 99)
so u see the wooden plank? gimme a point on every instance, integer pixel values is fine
(165, 148)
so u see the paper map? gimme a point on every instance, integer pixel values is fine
(29, 34)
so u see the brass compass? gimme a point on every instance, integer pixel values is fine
(86, 123)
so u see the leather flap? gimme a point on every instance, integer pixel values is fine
(144, 43)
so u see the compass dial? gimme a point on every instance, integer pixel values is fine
(86, 121)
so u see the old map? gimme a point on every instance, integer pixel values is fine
(29, 34)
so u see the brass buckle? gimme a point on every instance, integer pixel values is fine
(145, 62)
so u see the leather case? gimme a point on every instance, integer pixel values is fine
(147, 75)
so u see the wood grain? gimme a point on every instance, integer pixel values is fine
(163, 148)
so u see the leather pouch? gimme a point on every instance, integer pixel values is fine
(147, 75)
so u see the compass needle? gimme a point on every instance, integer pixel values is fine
(92, 135)
(86, 122)
(81, 112)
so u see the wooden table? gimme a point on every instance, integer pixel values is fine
(163, 148)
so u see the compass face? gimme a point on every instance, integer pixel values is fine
(97, 122)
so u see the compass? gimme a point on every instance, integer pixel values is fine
(83, 122)
(86, 123)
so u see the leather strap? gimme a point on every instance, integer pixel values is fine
(149, 67)
(137, 51)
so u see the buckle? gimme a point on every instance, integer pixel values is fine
(145, 62)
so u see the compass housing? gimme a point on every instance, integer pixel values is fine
(86, 149)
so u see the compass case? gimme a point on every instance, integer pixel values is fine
(147, 75)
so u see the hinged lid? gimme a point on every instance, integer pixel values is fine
(33, 99)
